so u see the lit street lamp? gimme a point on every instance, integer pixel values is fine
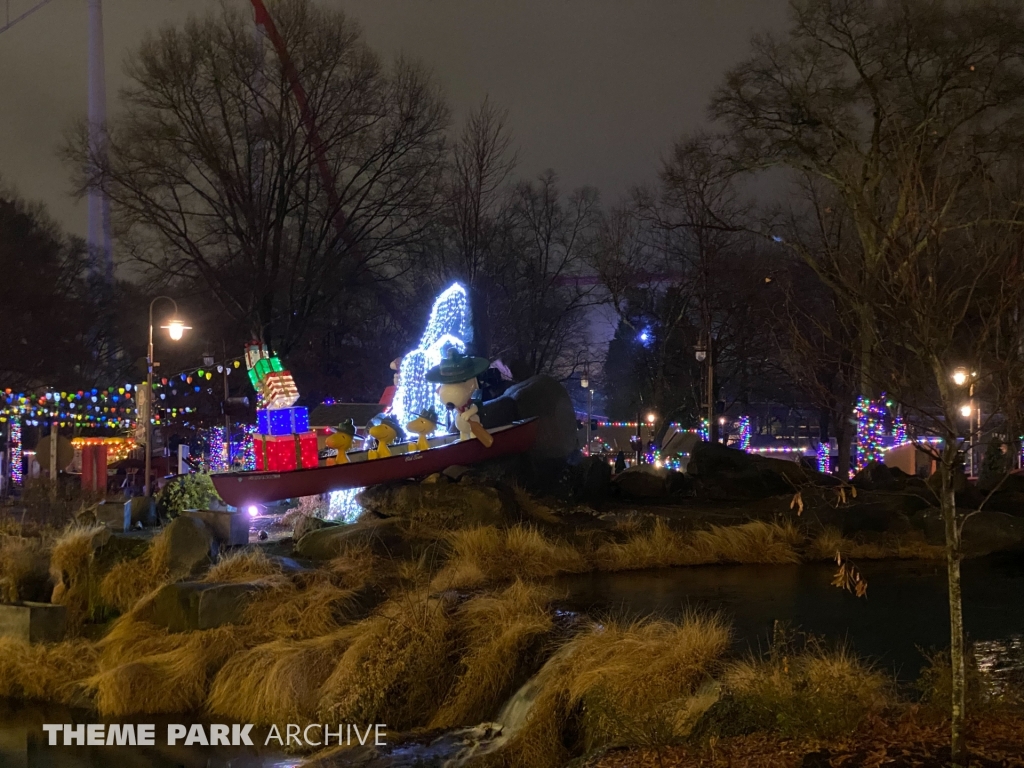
(585, 383)
(175, 329)
(961, 376)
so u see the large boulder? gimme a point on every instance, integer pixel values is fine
(189, 546)
(439, 505)
(545, 399)
(642, 482)
(186, 606)
(719, 472)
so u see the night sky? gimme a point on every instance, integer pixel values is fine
(596, 89)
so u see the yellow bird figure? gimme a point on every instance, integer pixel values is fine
(341, 441)
(386, 430)
(424, 424)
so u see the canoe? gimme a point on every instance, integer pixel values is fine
(241, 489)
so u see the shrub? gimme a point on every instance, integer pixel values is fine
(186, 492)
(808, 692)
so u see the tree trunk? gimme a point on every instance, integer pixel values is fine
(958, 713)
(844, 436)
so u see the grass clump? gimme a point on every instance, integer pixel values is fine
(495, 631)
(618, 684)
(831, 542)
(24, 568)
(161, 672)
(277, 682)
(487, 554)
(243, 565)
(72, 565)
(393, 670)
(755, 542)
(46, 672)
(813, 693)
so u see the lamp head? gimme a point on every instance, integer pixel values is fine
(650, 418)
(960, 376)
(966, 410)
(176, 329)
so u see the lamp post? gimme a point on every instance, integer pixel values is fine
(175, 329)
(585, 383)
(961, 377)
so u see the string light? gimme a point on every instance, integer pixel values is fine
(17, 471)
(704, 432)
(249, 448)
(448, 326)
(824, 458)
(218, 451)
(899, 430)
(870, 415)
(744, 433)
(342, 505)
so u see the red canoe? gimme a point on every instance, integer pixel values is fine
(240, 489)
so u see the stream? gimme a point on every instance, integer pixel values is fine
(905, 610)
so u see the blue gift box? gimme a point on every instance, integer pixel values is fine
(282, 421)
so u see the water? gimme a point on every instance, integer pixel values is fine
(906, 608)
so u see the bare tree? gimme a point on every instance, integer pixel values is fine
(216, 178)
(852, 81)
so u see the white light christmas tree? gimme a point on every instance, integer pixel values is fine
(448, 326)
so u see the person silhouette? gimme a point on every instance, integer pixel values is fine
(620, 462)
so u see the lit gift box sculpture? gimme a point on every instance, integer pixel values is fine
(283, 441)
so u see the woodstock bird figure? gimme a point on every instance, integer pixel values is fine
(457, 377)
(421, 426)
(341, 441)
(386, 430)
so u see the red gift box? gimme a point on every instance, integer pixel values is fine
(286, 452)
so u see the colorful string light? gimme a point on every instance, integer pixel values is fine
(17, 470)
(218, 451)
(744, 432)
(824, 458)
(249, 448)
(870, 442)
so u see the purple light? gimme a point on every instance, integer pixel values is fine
(253, 510)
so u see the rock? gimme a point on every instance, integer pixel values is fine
(454, 472)
(229, 528)
(592, 478)
(718, 472)
(189, 546)
(188, 605)
(642, 482)
(987, 532)
(387, 538)
(545, 399)
(876, 476)
(143, 511)
(33, 622)
(306, 523)
(116, 515)
(449, 505)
